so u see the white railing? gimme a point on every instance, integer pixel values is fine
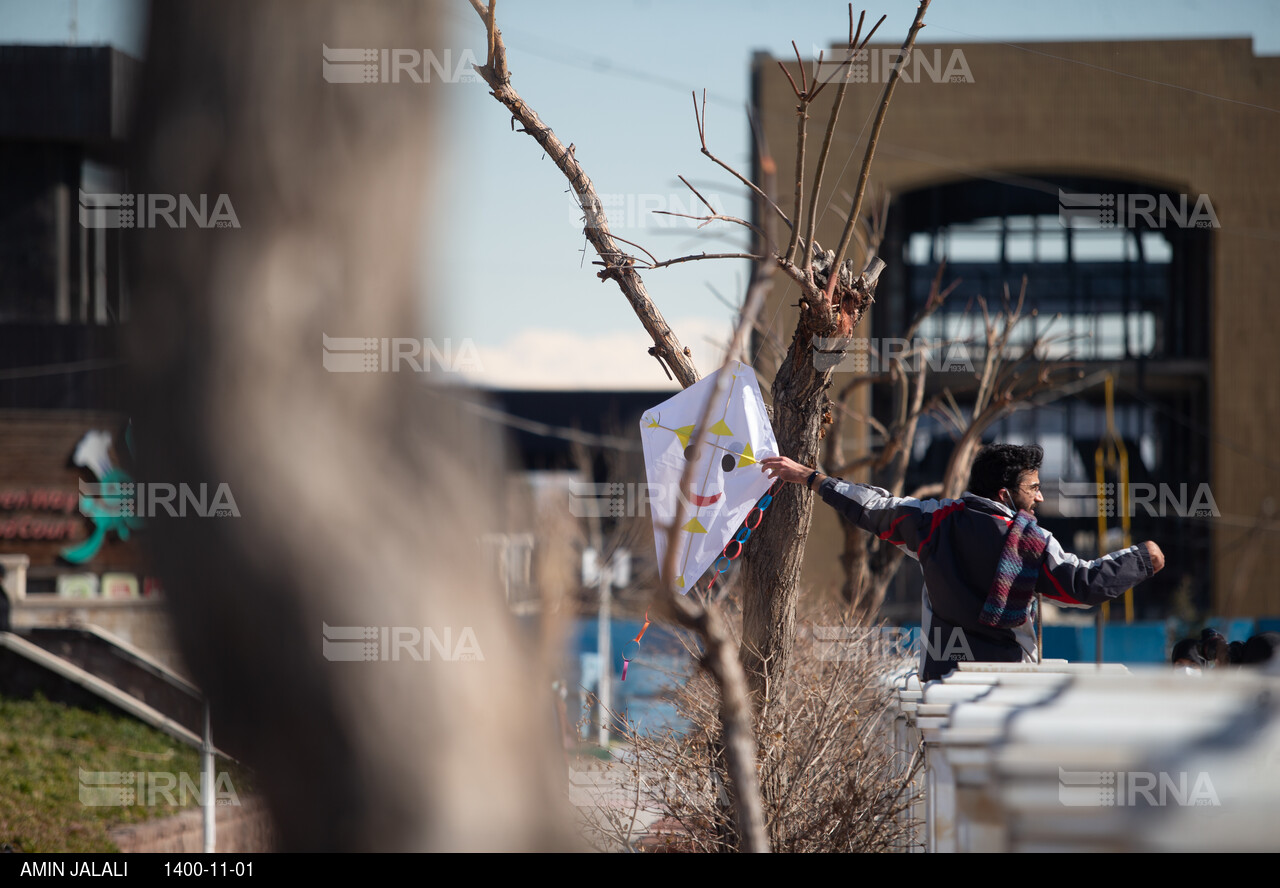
(1076, 757)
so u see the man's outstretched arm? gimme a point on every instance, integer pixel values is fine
(1069, 579)
(902, 521)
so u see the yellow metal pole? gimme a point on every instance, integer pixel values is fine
(1118, 457)
(1099, 463)
(1124, 523)
(1112, 454)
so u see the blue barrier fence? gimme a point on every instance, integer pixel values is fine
(659, 661)
(662, 658)
(1139, 643)
(1133, 643)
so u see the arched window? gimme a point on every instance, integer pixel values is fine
(1127, 267)
(1130, 277)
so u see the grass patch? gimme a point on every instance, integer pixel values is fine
(43, 747)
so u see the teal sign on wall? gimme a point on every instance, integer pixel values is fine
(107, 503)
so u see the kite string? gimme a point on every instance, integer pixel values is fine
(626, 661)
(743, 533)
(739, 539)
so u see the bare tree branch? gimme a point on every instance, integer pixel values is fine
(865, 173)
(814, 193)
(802, 130)
(705, 219)
(699, 256)
(702, 137)
(618, 265)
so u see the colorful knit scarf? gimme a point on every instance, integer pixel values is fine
(1009, 601)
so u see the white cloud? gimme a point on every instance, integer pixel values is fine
(560, 359)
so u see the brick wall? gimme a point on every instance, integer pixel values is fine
(241, 828)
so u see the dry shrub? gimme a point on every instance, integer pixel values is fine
(830, 778)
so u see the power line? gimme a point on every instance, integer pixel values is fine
(57, 369)
(547, 430)
(568, 56)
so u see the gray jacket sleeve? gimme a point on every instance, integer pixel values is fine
(1070, 580)
(903, 521)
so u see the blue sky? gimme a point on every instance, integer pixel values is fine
(505, 267)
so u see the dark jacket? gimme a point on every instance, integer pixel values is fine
(958, 544)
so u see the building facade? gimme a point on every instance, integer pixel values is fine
(63, 121)
(1133, 184)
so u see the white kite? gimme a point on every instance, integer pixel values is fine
(727, 478)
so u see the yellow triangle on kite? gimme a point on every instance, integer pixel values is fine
(683, 433)
(680, 582)
(721, 429)
(653, 424)
(694, 526)
(748, 456)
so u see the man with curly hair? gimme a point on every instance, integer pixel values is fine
(983, 555)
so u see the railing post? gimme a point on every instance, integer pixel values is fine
(207, 785)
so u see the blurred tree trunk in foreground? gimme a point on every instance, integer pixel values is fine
(361, 495)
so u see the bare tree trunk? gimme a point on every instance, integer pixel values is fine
(361, 495)
(771, 565)
(832, 303)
